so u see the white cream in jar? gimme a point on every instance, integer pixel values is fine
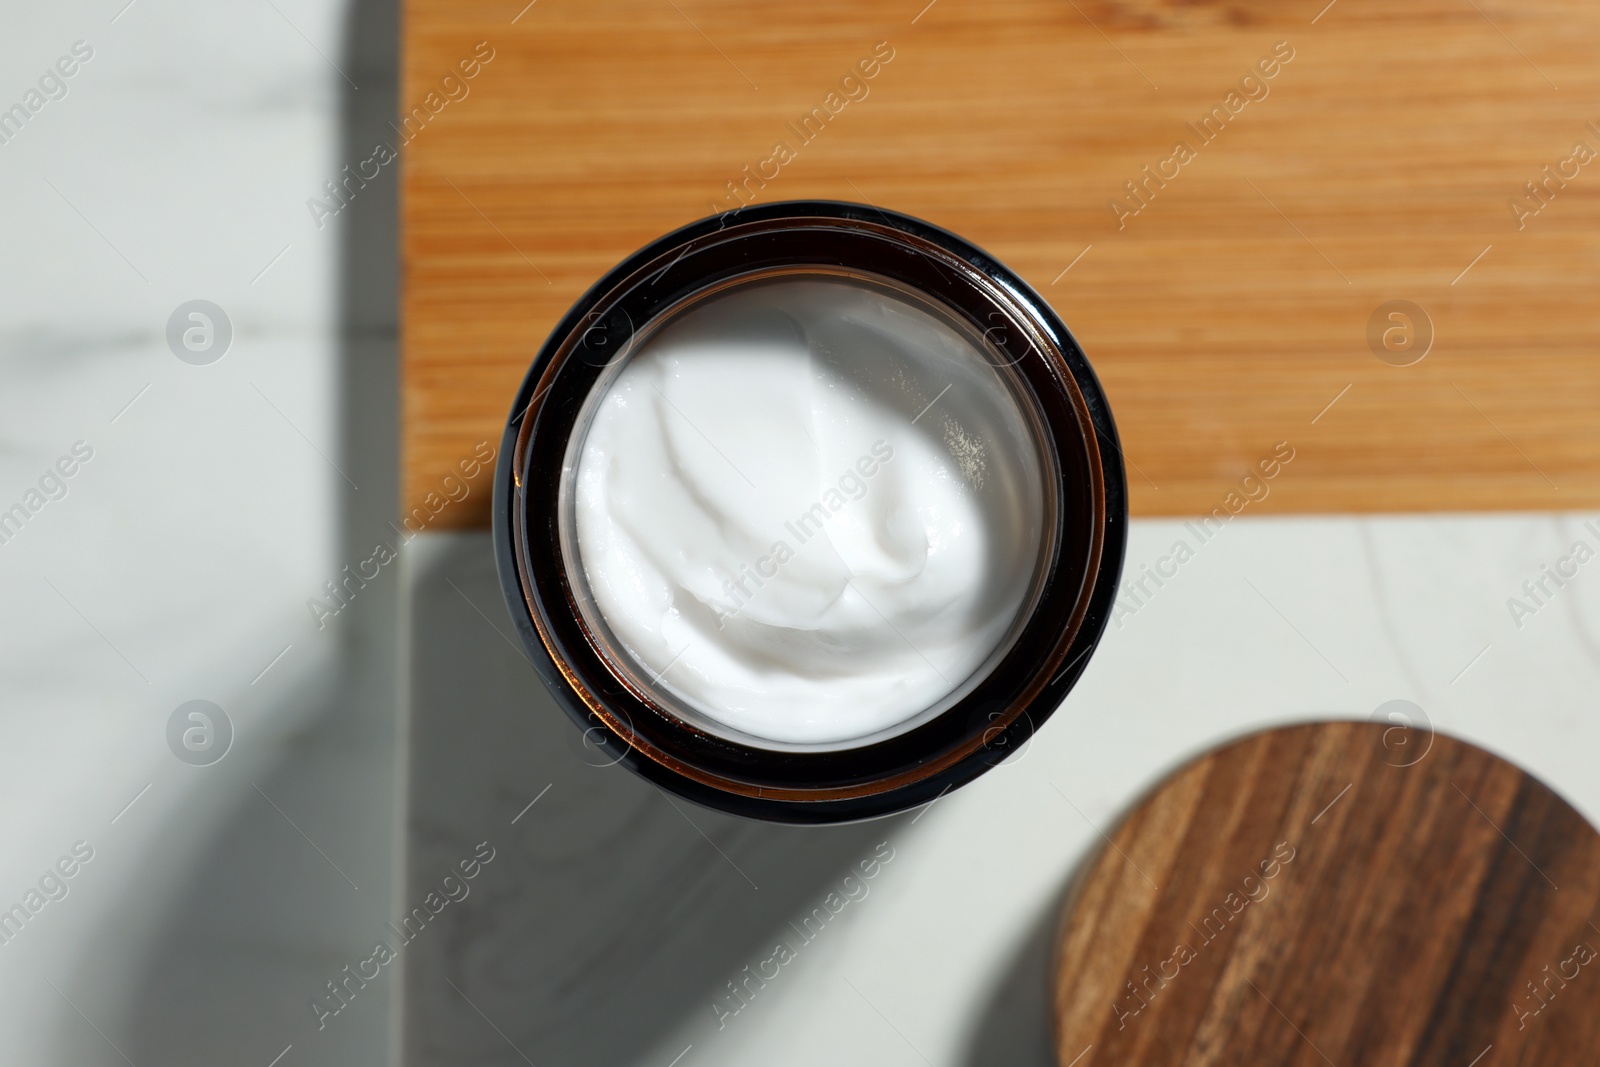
(810, 510)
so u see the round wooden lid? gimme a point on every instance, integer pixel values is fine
(1337, 894)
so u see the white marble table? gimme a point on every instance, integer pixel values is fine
(178, 564)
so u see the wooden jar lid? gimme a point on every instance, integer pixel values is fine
(1337, 894)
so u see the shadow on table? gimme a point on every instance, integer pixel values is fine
(236, 916)
(611, 913)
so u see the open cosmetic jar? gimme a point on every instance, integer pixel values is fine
(810, 512)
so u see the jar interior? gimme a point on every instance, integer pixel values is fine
(808, 509)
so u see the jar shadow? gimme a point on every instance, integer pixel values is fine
(611, 912)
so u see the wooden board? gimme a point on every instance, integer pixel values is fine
(1314, 895)
(1224, 317)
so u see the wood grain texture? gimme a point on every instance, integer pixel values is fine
(1311, 895)
(1222, 318)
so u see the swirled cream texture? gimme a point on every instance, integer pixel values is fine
(809, 510)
